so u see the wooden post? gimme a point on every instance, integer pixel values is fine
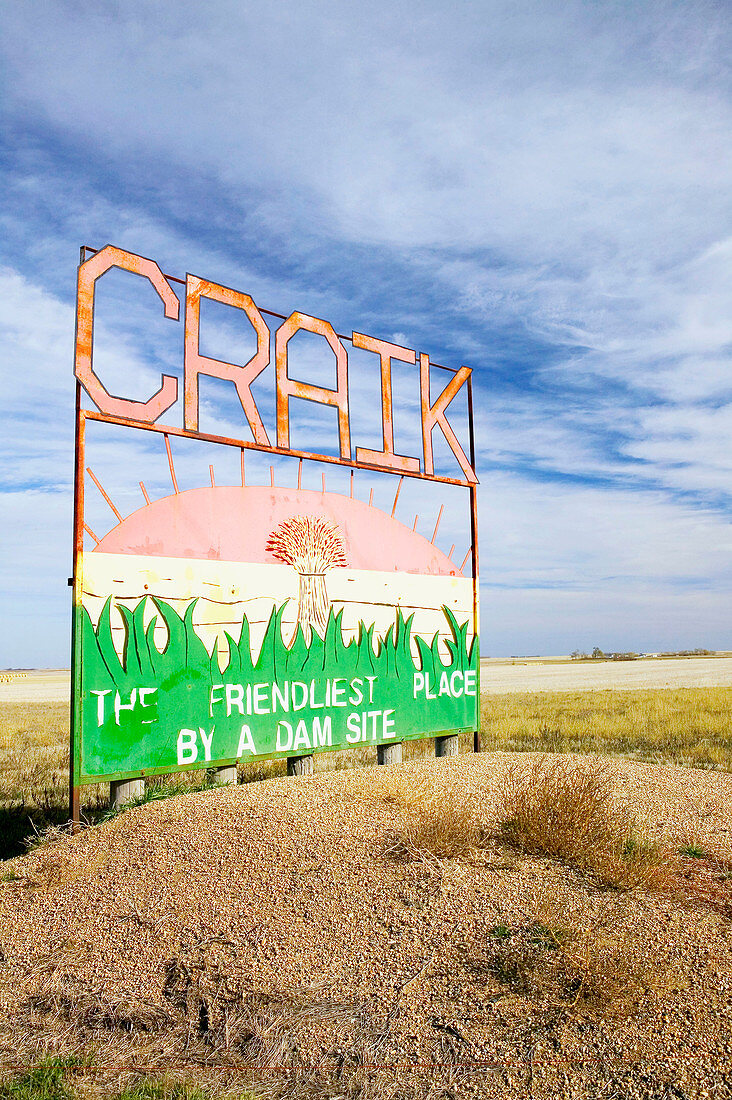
(220, 777)
(389, 754)
(122, 791)
(476, 742)
(300, 765)
(447, 746)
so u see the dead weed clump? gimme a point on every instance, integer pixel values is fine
(570, 814)
(436, 831)
(570, 959)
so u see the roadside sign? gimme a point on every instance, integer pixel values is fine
(232, 622)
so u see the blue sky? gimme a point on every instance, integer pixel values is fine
(538, 190)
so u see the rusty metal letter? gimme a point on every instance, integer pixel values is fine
(435, 415)
(387, 352)
(289, 387)
(196, 364)
(89, 272)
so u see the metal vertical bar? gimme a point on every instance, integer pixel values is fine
(173, 478)
(396, 495)
(474, 537)
(437, 525)
(243, 471)
(299, 474)
(76, 701)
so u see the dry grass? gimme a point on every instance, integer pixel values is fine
(564, 813)
(691, 727)
(570, 814)
(571, 951)
(34, 766)
(445, 832)
(573, 958)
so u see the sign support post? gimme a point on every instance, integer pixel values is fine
(74, 719)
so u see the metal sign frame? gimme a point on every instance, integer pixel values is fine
(385, 461)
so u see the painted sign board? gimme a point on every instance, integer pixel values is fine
(234, 622)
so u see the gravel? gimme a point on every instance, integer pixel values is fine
(264, 926)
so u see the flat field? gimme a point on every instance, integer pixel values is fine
(560, 674)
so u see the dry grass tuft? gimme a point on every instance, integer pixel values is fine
(585, 962)
(690, 727)
(570, 814)
(439, 831)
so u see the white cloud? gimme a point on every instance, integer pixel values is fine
(583, 538)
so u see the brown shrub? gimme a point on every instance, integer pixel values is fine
(570, 814)
(436, 830)
(586, 961)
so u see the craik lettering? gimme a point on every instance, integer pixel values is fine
(242, 375)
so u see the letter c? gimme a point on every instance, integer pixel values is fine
(453, 690)
(89, 272)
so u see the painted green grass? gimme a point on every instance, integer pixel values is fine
(184, 653)
(183, 673)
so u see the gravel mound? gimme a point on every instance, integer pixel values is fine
(269, 932)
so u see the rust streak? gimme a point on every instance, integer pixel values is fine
(101, 490)
(89, 272)
(386, 457)
(170, 462)
(197, 364)
(290, 387)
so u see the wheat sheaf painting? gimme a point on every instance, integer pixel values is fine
(234, 622)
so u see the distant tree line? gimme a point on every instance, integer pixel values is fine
(599, 654)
